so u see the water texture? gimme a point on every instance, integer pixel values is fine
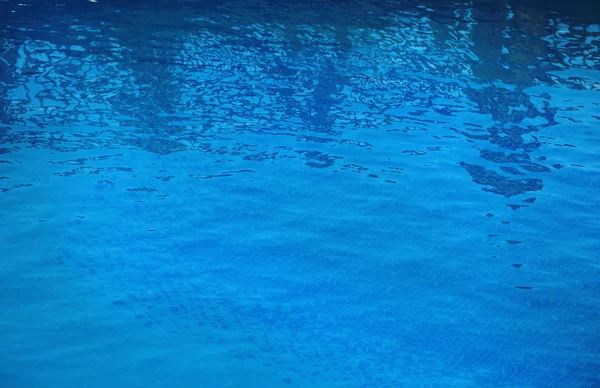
(299, 194)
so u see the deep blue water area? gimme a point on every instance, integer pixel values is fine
(344, 194)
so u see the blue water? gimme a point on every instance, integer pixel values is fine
(299, 194)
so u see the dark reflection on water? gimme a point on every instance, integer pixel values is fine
(182, 76)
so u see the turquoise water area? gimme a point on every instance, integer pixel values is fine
(299, 194)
